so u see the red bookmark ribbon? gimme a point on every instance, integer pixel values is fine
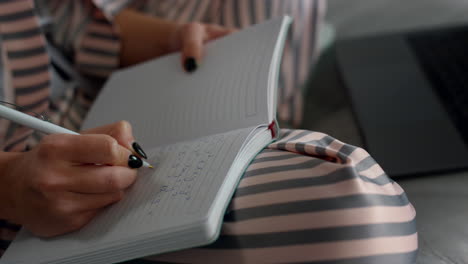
(272, 128)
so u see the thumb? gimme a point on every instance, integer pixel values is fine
(193, 35)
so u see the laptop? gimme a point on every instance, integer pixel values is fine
(409, 93)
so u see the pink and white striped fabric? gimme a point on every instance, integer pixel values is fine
(309, 198)
(26, 66)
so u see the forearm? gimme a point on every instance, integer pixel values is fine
(7, 206)
(144, 37)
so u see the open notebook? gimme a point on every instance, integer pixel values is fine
(201, 129)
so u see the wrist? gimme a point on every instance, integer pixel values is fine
(8, 160)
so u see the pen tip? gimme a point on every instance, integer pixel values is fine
(151, 167)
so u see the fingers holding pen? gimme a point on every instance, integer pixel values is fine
(75, 203)
(92, 179)
(122, 132)
(88, 149)
(64, 181)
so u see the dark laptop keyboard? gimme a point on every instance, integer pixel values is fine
(443, 56)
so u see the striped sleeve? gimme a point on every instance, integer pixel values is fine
(26, 65)
(98, 49)
(85, 33)
(309, 198)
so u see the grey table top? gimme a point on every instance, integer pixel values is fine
(363, 17)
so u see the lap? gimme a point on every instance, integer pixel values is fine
(311, 198)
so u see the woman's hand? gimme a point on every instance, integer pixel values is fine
(57, 187)
(145, 37)
(190, 39)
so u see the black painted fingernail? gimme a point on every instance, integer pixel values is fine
(139, 150)
(134, 162)
(190, 64)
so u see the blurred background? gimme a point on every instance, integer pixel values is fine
(440, 199)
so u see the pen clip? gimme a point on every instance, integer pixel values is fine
(20, 108)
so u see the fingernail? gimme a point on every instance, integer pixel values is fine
(139, 150)
(190, 64)
(134, 162)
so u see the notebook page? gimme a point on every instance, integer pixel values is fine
(166, 105)
(177, 193)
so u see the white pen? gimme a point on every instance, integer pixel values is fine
(40, 125)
